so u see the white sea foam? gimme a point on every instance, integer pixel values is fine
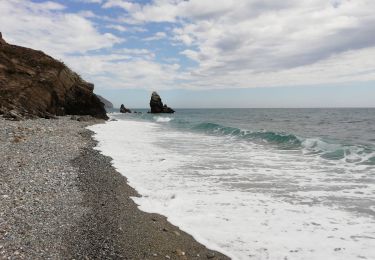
(111, 114)
(162, 119)
(245, 200)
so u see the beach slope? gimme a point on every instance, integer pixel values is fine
(62, 199)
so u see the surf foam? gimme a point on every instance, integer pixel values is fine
(242, 199)
(162, 119)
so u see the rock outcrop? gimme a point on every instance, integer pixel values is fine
(107, 104)
(157, 105)
(2, 41)
(33, 84)
(123, 109)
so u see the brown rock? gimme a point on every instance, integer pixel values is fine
(34, 84)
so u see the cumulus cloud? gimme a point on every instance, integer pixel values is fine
(76, 40)
(228, 38)
(129, 69)
(232, 43)
(42, 26)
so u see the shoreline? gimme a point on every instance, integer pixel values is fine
(67, 201)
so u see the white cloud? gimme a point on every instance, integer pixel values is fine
(156, 36)
(42, 26)
(126, 5)
(132, 69)
(247, 43)
(235, 43)
(71, 37)
(90, 1)
(117, 27)
(348, 67)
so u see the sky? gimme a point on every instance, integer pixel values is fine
(208, 53)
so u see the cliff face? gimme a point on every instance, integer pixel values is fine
(33, 84)
(106, 102)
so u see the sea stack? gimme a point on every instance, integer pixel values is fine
(157, 105)
(123, 109)
(34, 84)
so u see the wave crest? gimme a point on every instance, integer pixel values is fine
(285, 141)
(329, 151)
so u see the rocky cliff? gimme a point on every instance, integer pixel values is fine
(106, 102)
(33, 84)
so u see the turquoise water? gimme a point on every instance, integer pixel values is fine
(255, 183)
(334, 134)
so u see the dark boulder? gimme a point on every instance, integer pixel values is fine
(157, 105)
(33, 84)
(123, 109)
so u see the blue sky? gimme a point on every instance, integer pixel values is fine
(208, 53)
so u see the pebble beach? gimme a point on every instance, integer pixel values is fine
(62, 199)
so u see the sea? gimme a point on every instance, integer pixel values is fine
(254, 183)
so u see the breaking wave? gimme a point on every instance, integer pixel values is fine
(287, 141)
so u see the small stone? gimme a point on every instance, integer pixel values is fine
(165, 229)
(179, 252)
(168, 257)
(210, 255)
(13, 115)
(85, 118)
(176, 233)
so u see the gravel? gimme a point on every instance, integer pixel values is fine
(61, 199)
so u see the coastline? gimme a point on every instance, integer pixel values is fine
(67, 201)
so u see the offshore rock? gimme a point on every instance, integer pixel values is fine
(123, 109)
(33, 84)
(157, 105)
